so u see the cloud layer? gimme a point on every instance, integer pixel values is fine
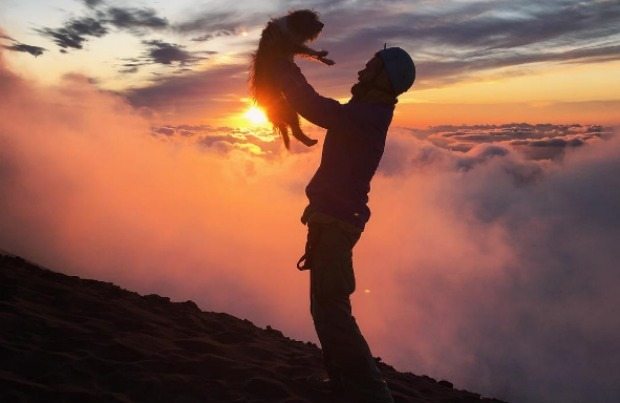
(505, 268)
(481, 264)
(470, 142)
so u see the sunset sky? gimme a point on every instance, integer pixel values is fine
(127, 154)
(478, 61)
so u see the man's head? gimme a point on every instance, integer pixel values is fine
(399, 67)
(304, 24)
(388, 74)
(391, 71)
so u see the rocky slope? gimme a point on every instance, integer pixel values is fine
(64, 338)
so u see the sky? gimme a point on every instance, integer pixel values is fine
(490, 258)
(481, 61)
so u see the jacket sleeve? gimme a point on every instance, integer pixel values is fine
(322, 111)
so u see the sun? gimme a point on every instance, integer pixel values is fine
(255, 115)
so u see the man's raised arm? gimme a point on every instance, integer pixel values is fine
(321, 111)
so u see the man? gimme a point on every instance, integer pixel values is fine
(338, 211)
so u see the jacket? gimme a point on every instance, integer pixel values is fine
(352, 150)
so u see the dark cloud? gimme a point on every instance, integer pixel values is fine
(216, 24)
(93, 3)
(460, 39)
(191, 92)
(164, 53)
(22, 47)
(164, 130)
(167, 53)
(213, 24)
(131, 67)
(215, 34)
(501, 25)
(75, 32)
(133, 18)
(497, 25)
(438, 70)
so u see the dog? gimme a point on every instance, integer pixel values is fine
(284, 37)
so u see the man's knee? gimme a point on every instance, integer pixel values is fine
(333, 314)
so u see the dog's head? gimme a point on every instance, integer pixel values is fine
(304, 24)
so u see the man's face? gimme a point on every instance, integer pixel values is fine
(373, 74)
(372, 69)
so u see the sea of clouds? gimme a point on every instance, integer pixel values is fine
(491, 258)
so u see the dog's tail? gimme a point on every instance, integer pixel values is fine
(265, 95)
(263, 90)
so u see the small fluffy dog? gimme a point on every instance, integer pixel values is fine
(284, 37)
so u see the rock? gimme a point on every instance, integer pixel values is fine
(274, 331)
(446, 384)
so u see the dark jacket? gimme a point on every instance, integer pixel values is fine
(353, 146)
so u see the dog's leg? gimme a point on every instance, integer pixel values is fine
(301, 136)
(283, 130)
(316, 54)
(291, 118)
(297, 132)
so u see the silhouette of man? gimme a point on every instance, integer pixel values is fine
(338, 211)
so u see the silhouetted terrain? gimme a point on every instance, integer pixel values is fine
(64, 338)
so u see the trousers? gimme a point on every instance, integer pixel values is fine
(346, 355)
